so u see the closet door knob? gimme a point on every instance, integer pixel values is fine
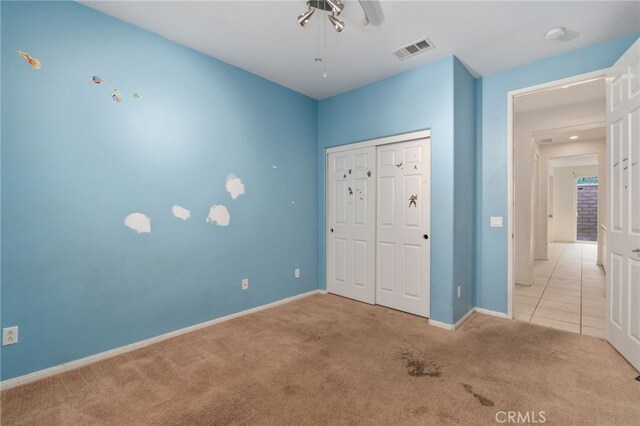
(331, 229)
(425, 236)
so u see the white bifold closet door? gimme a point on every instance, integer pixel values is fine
(403, 216)
(351, 224)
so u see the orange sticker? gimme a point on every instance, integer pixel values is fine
(35, 63)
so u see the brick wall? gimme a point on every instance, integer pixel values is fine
(587, 212)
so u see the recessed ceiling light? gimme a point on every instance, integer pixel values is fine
(555, 33)
(574, 137)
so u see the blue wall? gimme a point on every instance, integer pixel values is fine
(414, 100)
(491, 251)
(464, 189)
(75, 164)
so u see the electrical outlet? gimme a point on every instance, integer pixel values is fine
(459, 292)
(245, 283)
(296, 273)
(9, 335)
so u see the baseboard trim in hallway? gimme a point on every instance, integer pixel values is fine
(72, 365)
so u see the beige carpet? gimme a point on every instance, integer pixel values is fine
(329, 360)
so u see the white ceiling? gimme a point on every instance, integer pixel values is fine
(574, 161)
(263, 37)
(590, 132)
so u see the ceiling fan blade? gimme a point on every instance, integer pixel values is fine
(373, 11)
(362, 13)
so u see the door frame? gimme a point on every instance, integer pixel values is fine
(511, 95)
(405, 137)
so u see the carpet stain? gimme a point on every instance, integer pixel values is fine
(290, 390)
(484, 401)
(418, 367)
(420, 411)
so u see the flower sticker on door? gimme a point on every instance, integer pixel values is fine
(412, 201)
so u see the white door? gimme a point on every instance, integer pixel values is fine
(351, 224)
(623, 236)
(402, 266)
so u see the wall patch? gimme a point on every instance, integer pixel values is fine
(180, 212)
(35, 63)
(139, 222)
(219, 215)
(234, 186)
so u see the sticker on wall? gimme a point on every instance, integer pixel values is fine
(139, 222)
(35, 63)
(136, 96)
(96, 80)
(219, 215)
(350, 190)
(180, 212)
(116, 95)
(234, 186)
(412, 201)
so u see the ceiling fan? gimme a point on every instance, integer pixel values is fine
(359, 12)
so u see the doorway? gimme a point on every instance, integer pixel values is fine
(587, 208)
(378, 222)
(558, 141)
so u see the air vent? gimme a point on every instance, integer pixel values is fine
(547, 140)
(414, 48)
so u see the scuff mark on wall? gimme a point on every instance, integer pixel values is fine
(180, 212)
(234, 186)
(139, 222)
(219, 215)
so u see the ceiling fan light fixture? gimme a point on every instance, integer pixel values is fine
(303, 19)
(337, 24)
(336, 6)
(555, 33)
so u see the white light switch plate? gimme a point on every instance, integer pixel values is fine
(296, 273)
(496, 221)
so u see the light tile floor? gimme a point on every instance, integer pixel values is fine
(567, 293)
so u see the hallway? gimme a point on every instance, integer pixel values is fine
(567, 292)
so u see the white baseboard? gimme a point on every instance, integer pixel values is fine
(492, 313)
(57, 369)
(439, 324)
(453, 327)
